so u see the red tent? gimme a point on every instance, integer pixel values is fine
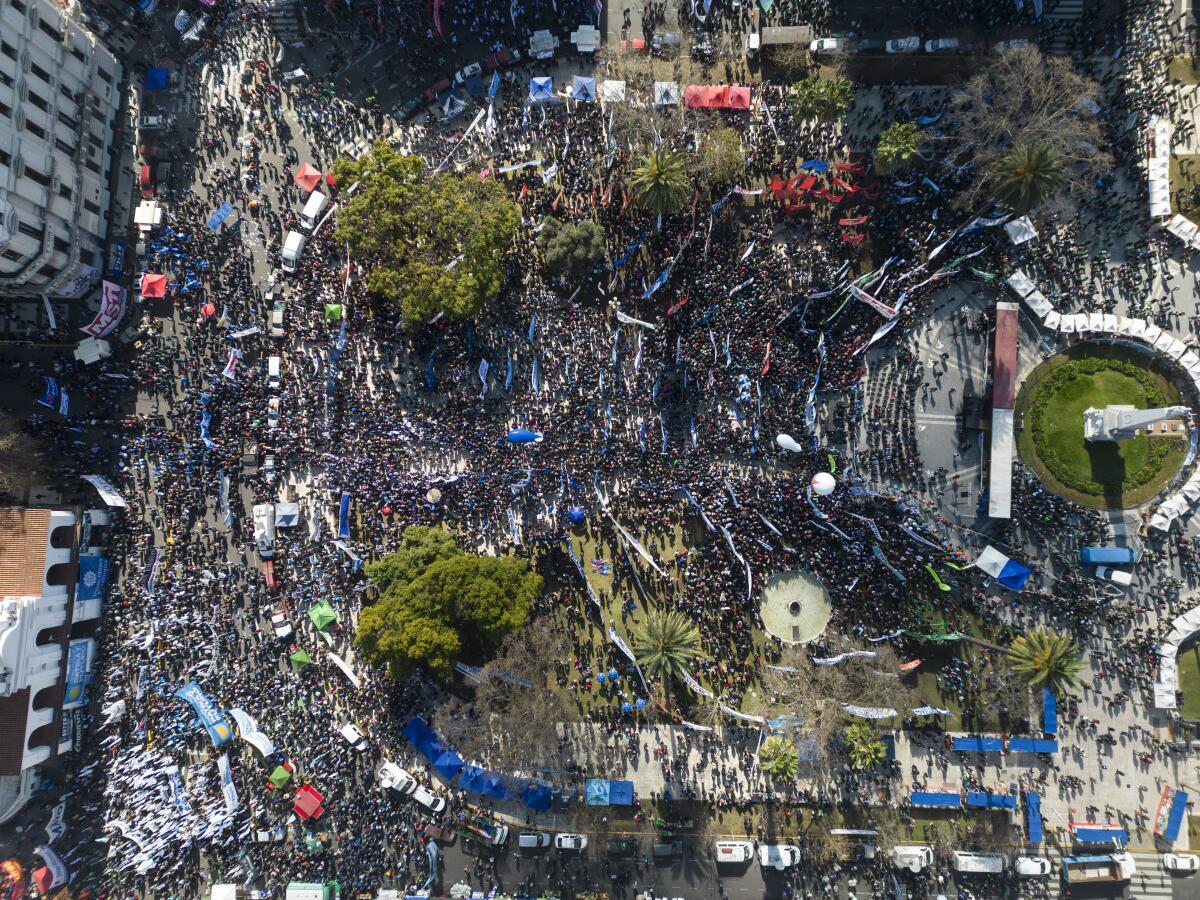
(307, 803)
(154, 285)
(716, 96)
(738, 97)
(308, 176)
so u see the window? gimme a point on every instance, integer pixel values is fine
(5, 109)
(91, 207)
(39, 72)
(61, 245)
(50, 272)
(34, 231)
(36, 176)
(66, 92)
(106, 76)
(17, 5)
(35, 129)
(64, 191)
(13, 255)
(73, 124)
(64, 146)
(8, 49)
(47, 28)
(95, 141)
(92, 165)
(5, 157)
(6, 79)
(39, 102)
(78, 54)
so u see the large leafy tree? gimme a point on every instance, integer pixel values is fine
(456, 603)
(571, 248)
(666, 646)
(779, 758)
(1026, 176)
(897, 145)
(821, 98)
(1045, 659)
(433, 242)
(863, 746)
(420, 547)
(660, 183)
(722, 158)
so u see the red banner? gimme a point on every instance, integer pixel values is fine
(112, 309)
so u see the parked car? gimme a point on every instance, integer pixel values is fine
(902, 45)
(1181, 862)
(1116, 576)
(272, 413)
(621, 848)
(671, 850)
(1032, 866)
(827, 46)
(429, 799)
(940, 45)
(277, 310)
(392, 777)
(570, 842)
(467, 72)
(533, 840)
(355, 738)
(280, 625)
(734, 851)
(1011, 44)
(778, 856)
(869, 45)
(156, 122)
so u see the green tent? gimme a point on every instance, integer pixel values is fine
(280, 776)
(299, 659)
(322, 615)
(333, 312)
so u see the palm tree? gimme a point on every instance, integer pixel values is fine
(1045, 659)
(863, 746)
(660, 183)
(1026, 176)
(666, 645)
(779, 758)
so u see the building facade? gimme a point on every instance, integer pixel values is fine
(59, 99)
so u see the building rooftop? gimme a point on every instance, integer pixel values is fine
(23, 551)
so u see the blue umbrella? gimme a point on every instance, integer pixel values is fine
(613, 675)
(626, 707)
(524, 436)
(602, 678)
(576, 514)
(641, 703)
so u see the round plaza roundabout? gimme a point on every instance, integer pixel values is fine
(795, 607)
(1100, 474)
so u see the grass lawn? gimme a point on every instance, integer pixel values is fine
(1185, 185)
(1189, 681)
(1185, 69)
(1104, 463)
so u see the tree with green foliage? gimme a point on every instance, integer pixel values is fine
(863, 745)
(722, 158)
(660, 183)
(1026, 176)
(420, 547)
(455, 603)
(897, 146)
(1045, 659)
(666, 646)
(814, 97)
(571, 248)
(432, 241)
(779, 758)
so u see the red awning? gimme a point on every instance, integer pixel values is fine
(144, 175)
(716, 96)
(738, 97)
(308, 176)
(154, 285)
(307, 803)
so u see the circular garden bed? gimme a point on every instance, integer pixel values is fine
(1099, 474)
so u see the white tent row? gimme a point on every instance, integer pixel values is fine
(612, 91)
(1038, 303)
(1160, 135)
(1158, 173)
(1178, 504)
(1185, 229)
(1021, 284)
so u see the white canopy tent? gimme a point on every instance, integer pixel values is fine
(1095, 322)
(1020, 230)
(666, 93)
(1053, 320)
(1021, 284)
(1134, 328)
(1110, 323)
(1038, 303)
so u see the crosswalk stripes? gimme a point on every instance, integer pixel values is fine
(1065, 10)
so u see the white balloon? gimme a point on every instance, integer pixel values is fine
(788, 443)
(823, 484)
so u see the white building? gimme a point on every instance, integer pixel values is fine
(42, 670)
(59, 98)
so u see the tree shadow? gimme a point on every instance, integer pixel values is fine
(1108, 469)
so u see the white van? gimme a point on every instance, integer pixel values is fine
(274, 372)
(912, 857)
(312, 210)
(778, 856)
(979, 863)
(293, 247)
(353, 736)
(1116, 576)
(734, 851)
(264, 529)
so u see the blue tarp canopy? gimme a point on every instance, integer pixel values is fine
(583, 88)
(1049, 712)
(601, 792)
(429, 745)
(979, 744)
(1032, 745)
(1010, 573)
(474, 86)
(928, 798)
(1101, 834)
(620, 793)
(1175, 816)
(1033, 817)
(156, 79)
(987, 800)
(217, 219)
(819, 166)
(537, 796)
(541, 88)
